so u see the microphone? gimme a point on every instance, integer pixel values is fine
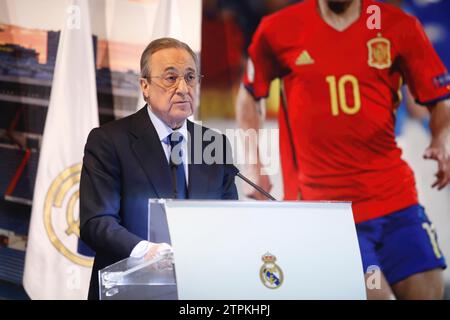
(254, 185)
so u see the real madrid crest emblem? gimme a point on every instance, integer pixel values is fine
(379, 52)
(270, 273)
(61, 215)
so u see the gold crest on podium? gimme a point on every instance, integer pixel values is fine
(270, 273)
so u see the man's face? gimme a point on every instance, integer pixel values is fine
(339, 6)
(170, 93)
(340, 1)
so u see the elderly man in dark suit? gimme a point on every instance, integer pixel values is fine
(154, 153)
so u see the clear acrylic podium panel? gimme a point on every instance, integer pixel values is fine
(137, 279)
(134, 279)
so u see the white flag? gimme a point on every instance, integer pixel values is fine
(168, 21)
(54, 268)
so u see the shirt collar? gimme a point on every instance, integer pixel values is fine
(163, 130)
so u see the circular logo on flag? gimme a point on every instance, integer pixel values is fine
(61, 215)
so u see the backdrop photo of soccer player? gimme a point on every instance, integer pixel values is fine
(342, 64)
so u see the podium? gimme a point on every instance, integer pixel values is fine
(244, 250)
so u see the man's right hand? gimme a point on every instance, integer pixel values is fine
(158, 249)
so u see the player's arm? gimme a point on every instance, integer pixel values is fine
(250, 115)
(439, 148)
(429, 82)
(261, 69)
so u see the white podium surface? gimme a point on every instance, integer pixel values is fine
(218, 248)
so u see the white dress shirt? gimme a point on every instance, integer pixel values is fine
(163, 131)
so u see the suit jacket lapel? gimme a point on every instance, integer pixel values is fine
(198, 176)
(148, 150)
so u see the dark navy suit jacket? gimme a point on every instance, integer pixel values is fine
(123, 166)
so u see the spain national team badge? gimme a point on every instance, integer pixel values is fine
(270, 273)
(379, 52)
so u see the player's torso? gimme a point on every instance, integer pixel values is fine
(341, 86)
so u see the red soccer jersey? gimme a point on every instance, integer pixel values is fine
(342, 91)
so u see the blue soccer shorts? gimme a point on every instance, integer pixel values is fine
(400, 244)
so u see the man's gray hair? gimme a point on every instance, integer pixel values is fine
(160, 44)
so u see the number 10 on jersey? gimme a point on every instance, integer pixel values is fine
(338, 97)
